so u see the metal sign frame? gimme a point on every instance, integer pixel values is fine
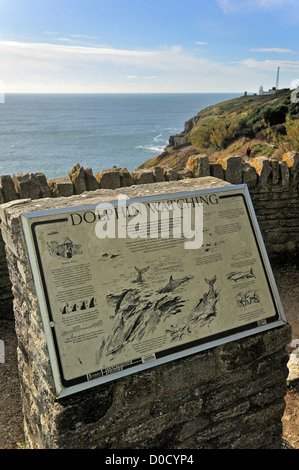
(34, 221)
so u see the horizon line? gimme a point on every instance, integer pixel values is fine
(121, 92)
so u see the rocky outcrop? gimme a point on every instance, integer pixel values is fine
(182, 138)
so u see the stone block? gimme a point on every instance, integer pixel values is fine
(158, 174)
(61, 187)
(284, 174)
(126, 179)
(26, 185)
(264, 171)
(109, 179)
(1, 197)
(170, 174)
(275, 171)
(199, 165)
(90, 180)
(292, 160)
(8, 188)
(184, 174)
(216, 170)
(249, 176)
(233, 168)
(143, 176)
(77, 177)
(43, 185)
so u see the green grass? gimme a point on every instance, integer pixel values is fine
(220, 125)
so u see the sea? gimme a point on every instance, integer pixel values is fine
(50, 133)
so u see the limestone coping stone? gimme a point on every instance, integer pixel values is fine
(90, 180)
(233, 168)
(158, 174)
(292, 160)
(217, 170)
(199, 165)
(8, 188)
(125, 177)
(142, 176)
(26, 185)
(108, 179)
(77, 177)
(11, 211)
(61, 187)
(263, 168)
(169, 173)
(249, 176)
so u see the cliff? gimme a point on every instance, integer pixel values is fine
(228, 128)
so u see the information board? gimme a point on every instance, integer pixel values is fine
(140, 297)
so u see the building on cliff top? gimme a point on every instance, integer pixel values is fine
(273, 90)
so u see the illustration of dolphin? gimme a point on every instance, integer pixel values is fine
(173, 284)
(129, 314)
(140, 273)
(205, 309)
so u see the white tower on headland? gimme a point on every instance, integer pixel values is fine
(273, 90)
(277, 80)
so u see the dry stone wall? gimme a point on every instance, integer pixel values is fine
(273, 186)
(228, 397)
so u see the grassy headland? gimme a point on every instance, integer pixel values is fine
(268, 124)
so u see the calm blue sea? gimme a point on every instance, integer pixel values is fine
(51, 133)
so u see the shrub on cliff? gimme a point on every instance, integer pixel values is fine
(261, 117)
(290, 141)
(218, 134)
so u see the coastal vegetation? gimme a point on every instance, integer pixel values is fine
(268, 124)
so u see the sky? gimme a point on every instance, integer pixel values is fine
(140, 46)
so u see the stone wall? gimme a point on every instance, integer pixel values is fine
(273, 186)
(228, 397)
(6, 297)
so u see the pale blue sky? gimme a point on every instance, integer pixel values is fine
(147, 46)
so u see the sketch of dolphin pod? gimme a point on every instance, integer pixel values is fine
(136, 316)
(202, 314)
(239, 275)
